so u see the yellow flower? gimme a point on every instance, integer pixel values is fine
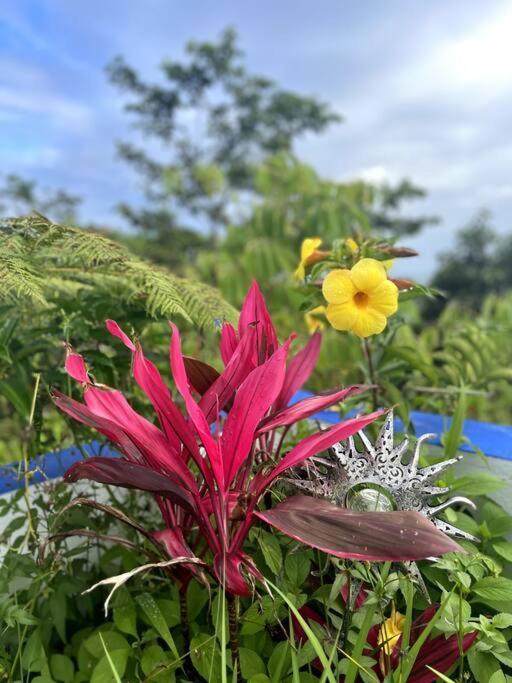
(312, 322)
(352, 245)
(361, 299)
(389, 634)
(308, 248)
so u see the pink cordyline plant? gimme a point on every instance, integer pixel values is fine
(209, 466)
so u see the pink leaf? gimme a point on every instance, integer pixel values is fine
(150, 381)
(195, 413)
(220, 393)
(116, 331)
(308, 406)
(254, 397)
(299, 370)
(373, 536)
(76, 368)
(254, 310)
(228, 342)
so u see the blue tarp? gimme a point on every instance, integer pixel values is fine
(493, 440)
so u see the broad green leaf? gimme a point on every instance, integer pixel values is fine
(251, 663)
(498, 677)
(205, 656)
(494, 588)
(197, 598)
(482, 664)
(33, 655)
(502, 620)
(480, 484)
(280, 661)
(154, 657)
(112, 639)
(271, 551)
(453, 437)
(125, 614)
(62, 668)
(297, 567)
(157, 620)
(503, 549)
(111, 667)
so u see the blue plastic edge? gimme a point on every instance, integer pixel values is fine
(495, 441)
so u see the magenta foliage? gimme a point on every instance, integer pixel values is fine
(209, 467)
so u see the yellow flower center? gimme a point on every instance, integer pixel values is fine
(361, 299)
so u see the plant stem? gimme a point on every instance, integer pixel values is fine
(232, 601)
(371, 371)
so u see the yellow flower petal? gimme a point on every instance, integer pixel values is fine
(367, 274)
(352, 245)
(338, 287)
(308, 247)
(341, 316)
(312, 322)
(390, 631)
(368, 322)
(388, 264)
(384, 298)
(300, 272)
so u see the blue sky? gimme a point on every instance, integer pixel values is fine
(425, 88)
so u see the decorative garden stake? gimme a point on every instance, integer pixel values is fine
(377, 479)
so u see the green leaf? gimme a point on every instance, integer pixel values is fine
(197, 598)
(297, 567)
(157, 620)
(493, 588)
(502, 620)
(498, 677)
(482, 664)
(271, 551)
(58, 610)
(251, 663)
(503, 549)
(259, 678)
(112, 639)
(454, 610)
(480, 484)
(453, 437)
(62, 668)
(33, 656)
(125, 614)
(153, 657)
(280, 661)
(205, 656)
(111, 667)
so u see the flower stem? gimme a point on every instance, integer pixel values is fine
(232, 601)
(371, 371)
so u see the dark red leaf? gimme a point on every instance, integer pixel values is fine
(373, 536)
(129, 475)
(200, 375)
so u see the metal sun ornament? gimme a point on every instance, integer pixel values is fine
(378, 479)
(378, 476)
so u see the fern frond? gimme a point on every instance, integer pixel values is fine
(39, 259)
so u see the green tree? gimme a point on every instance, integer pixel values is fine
(215, 122)
(20, 196)
(478, 265)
